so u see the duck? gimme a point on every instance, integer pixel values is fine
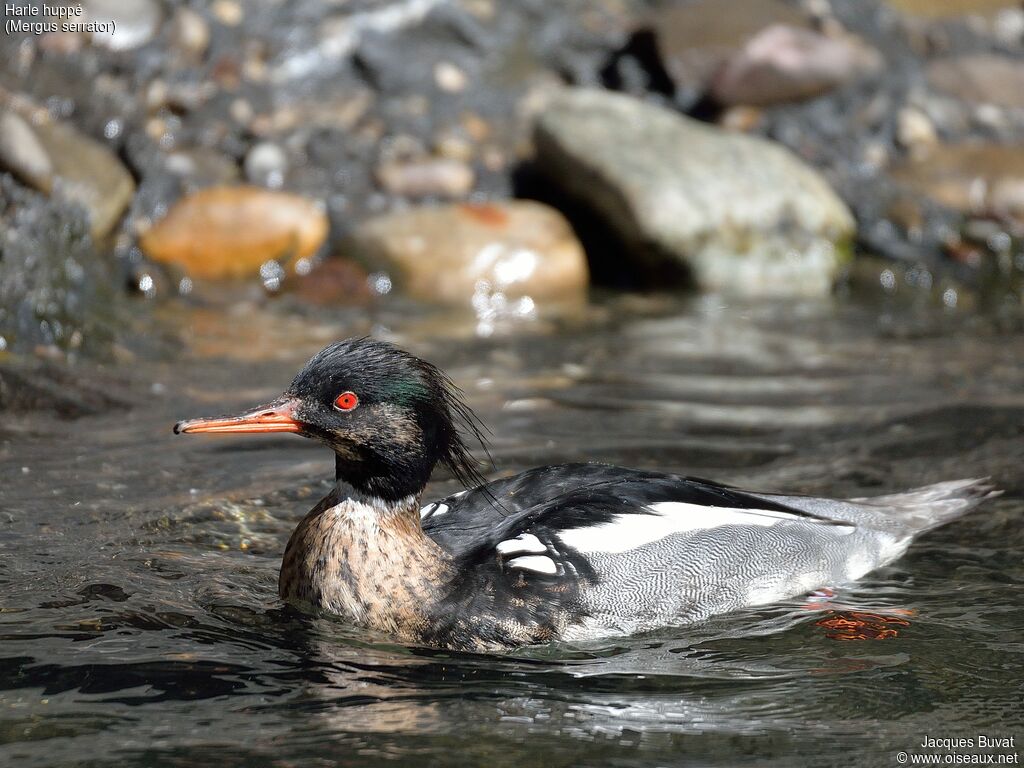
(562, 553)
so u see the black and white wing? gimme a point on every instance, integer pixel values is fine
(564, 543)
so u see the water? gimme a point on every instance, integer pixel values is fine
(140, 624)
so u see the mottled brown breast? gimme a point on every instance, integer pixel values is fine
(368, 562)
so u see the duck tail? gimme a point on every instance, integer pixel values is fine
(931, 506)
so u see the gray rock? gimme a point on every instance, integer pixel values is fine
(87, 173)
(22, 154)
(739, 213)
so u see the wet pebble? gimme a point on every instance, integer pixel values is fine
(450, 77)
(266, 165)
(189, 34)
(228, 12)
(433, 177)
(453, 144)
(232, 232)
(915, 131)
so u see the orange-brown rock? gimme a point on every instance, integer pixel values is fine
(229, 232)
(448, 254)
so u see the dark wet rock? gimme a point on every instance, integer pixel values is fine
(135, 22)
(783, 63)
(22, 154)
(980, 79)
(48, 385)
(733, 211)
(429, 177)
(979, 179)
(55, 292)
(462, 253)
(235, 232)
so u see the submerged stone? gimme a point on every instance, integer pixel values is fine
(231, 232)
(736, 212)
(451, 254)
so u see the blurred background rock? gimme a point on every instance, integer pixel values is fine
(227, 149)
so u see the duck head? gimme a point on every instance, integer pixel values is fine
(389, 417)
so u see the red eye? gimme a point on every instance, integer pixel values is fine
(346, 401)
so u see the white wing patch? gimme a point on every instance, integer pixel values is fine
(628, 532)
(535, 563)
(524, 543)
(436, 509)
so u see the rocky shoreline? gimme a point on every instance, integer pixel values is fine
(759, 147)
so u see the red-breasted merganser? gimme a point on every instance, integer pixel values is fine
(567, 552)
